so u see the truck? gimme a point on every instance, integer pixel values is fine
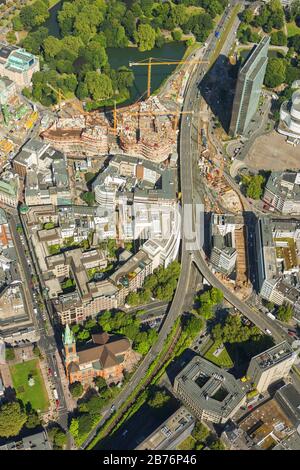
(270, 315)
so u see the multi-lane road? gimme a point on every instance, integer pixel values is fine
(47, 343)
(188, 155)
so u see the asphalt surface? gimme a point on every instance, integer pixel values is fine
(47, 340)
(188, 154)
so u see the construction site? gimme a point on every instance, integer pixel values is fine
(147, 129)
(16, 120)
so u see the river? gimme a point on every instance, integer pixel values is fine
(122, 56)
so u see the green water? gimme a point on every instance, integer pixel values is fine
(118, 57)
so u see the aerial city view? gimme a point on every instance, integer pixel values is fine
(150, 225)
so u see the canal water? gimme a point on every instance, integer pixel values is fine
(122, 56)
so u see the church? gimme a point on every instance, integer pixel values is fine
(106, 356)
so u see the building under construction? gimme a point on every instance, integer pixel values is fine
(146, 130)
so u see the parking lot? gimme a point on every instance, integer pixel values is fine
(272, 152)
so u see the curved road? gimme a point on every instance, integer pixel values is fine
(188, 164)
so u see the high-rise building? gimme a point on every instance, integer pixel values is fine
(248, 88)
(271, 365)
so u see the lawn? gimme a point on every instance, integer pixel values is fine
(37, 394)
(292, 29)
(187, 444)
(222, 360)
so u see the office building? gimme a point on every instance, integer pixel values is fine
(282, 192)
(17, 65)
(38, 441)
(271, 365)
(266, 256)
(248, 88)
(7, 90)
(10, 189)
(174, 430)
(209, 392)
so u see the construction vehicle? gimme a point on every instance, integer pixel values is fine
(149, 63)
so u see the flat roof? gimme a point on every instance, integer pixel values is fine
(274, 355)
(211, 387)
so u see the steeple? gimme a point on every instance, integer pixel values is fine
(68, 336)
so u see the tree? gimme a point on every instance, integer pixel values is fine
(200, 432)
(145, 37)
(100, 382)
(12, 419)
(285, 313)
(52, 46)
(76, 389)
(247, 16)
(275, 73)
(33, 420)
(177, 35)
(74, 427)
(159, 399)
(217, 445)
(83, 335)
(9, 354)
(58, 437)
(216, 295)
(253, 186)
(278, 38)
(98, 85)
(85, 424)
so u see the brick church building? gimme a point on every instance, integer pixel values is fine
(105, 355)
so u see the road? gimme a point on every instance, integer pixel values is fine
(188, 168)
(188, 149)
(47, 342)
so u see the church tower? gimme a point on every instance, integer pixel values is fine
(70, 347)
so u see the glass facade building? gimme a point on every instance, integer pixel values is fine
(248, 88)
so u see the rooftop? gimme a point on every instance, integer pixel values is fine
(213, 388)
(274, 355)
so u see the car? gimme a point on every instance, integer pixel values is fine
(112, 408)
(55, 374)
(268, 332)
(49, 371)
(57, 402)
(292, 333)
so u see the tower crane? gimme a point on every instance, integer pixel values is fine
(61, 96)
(149, 63)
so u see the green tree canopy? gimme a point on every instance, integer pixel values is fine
(76, 389)
(275, 73)
(12, 419)
(159, 399)
(285, 313)
(145, 37)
